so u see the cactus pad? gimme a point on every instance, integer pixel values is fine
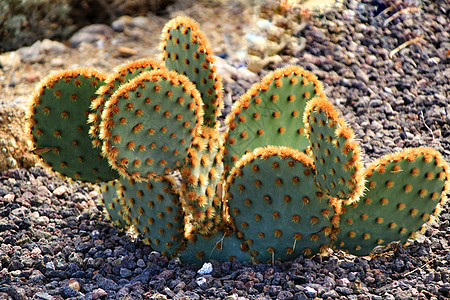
(149, 123)
(154, 209)
(58, 124)
(122, 74)
(110, 200)
(271, 113)
(186, 51)
(339, 171)
(201, 176)
(404, 190)
(275, 204)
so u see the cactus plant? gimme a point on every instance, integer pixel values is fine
(286, 178)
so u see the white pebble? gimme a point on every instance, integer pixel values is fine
(205, 269)
(50, 265)
(200, 281)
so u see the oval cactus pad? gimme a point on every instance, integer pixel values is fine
(110, 200)
(122, 74)
(201, 175)
(404, 190)
(339, 170)
(271, 113)
(275, 205)
(58, 124)
(186, 51)
(148, 124)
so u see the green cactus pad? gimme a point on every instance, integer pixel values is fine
(201, 175)
(339, 171)
(149, 123)
(404, 190)
(271, 113)
(58, 125)
(122, 74)
(186, 51)
(220, 247)
(275, 205)
(110, 200)
(154, 209)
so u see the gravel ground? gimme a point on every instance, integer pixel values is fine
(55, 242)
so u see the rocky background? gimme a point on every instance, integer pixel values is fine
(384, 63)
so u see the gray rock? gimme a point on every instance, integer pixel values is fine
(37, 277)
(42, 296)
(90, 34)
(124, 272)
(331, 294)
(16, 293)
(285, 295)
(141, 263)
(107, 284)
(344, 290)
(40, 49)
(99, 294)
(31, 53)
(69, 292)
(300, 296)
(53, 47)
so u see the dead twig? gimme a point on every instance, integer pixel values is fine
(426, 126)
(404, 45)
(219, 242)
(386, 10)
(421, 267)
(403, 11)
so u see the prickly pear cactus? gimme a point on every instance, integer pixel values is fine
(271, 113)
(403, 191)
(186, 51)
(58, 125)
(286, 179)
(149, 123)
(275, 206)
